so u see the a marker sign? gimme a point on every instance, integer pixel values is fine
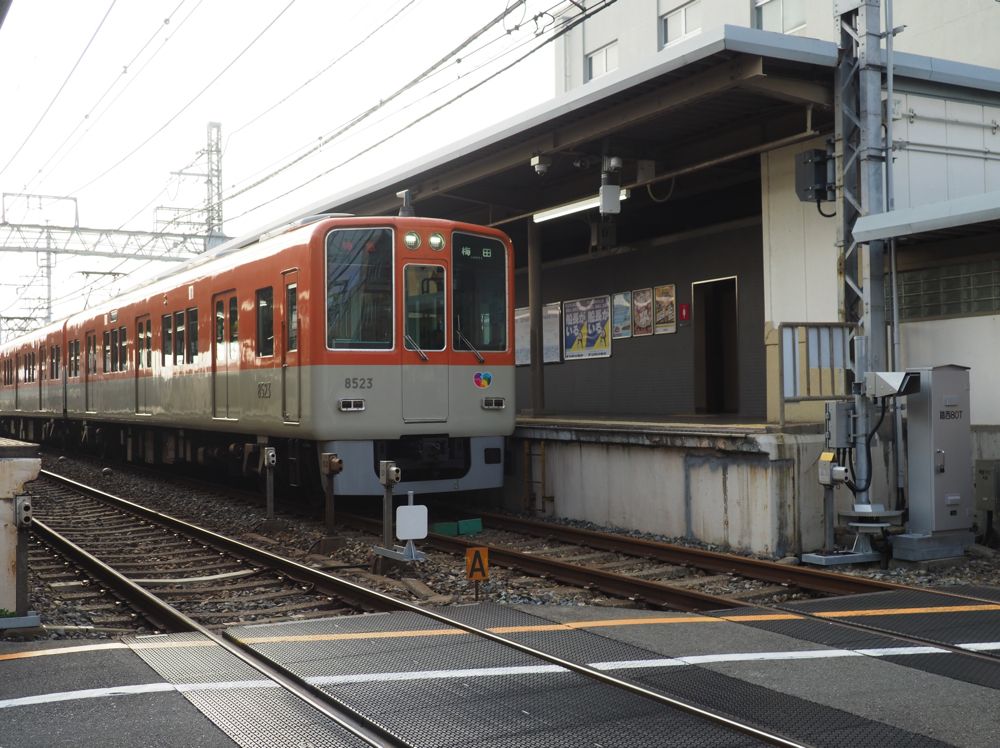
(477, 564)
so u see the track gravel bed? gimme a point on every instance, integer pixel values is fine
(437, 581)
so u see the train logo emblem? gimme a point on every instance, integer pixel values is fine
(483, 379)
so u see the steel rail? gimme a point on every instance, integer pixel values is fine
(353, 593)
(766, 571)
(619, 585)
(168, 617)
(385, 602)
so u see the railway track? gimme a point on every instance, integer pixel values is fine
(656, 574)
(210, 578)
(82, 509)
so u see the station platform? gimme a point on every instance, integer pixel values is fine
(803, 675)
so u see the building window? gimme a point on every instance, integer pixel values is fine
(966, 289)
(681, 23)
(265, 322)
(783, 16)
(602, 61)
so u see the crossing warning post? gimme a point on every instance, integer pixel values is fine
(477, 565)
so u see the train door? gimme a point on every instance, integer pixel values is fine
(143, 363)
(425, 362)
(716, 353)
(291, 373)
(90, 373)
(225, 356)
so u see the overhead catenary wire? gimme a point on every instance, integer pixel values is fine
(447, 62)
(574, 22)
(394, 15)
(191, 101)
(340, 131)
(88, 117)
(55, 98)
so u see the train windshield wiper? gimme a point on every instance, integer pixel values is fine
(470, 346)
(414, 346)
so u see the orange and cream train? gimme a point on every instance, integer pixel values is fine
(373, 338)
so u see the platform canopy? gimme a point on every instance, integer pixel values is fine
(948, 219)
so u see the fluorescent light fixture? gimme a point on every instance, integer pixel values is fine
(574, 207)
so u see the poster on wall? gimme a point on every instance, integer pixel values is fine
(550, 334)
(642, 311)
(587, 328)
(665, 309)
(551, 349)
(621, 315)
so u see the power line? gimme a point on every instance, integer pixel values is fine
(376, 107)
(566, 28)
(54, 98)
(393, 15)
(124, 71)
(426, 75)
(184, 108)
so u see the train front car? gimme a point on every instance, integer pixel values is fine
(418, 353)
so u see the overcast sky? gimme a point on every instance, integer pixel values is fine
(104, 99)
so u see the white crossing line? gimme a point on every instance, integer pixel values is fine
(469, 673)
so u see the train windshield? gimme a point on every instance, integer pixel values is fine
(424, 312)
(359, 288)
(479, 264)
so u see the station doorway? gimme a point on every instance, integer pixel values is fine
(716, 360)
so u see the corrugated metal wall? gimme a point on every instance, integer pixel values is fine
(654, 375)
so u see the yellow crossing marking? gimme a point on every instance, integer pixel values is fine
(60, 651)
(567, 626)
(909, 611)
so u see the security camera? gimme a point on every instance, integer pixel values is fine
(891, 383)
(541, 164)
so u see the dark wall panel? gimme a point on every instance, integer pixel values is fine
(654, 375)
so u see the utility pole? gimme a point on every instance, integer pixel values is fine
(860, 160)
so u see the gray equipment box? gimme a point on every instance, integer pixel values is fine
(987, 486)
(940, 451)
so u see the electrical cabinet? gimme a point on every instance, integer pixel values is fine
(939, 452)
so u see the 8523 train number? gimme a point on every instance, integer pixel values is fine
(358, 383)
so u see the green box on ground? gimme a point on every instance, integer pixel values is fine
(445, 528)
(470, 526)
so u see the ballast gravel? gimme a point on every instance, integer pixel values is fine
(439, 580)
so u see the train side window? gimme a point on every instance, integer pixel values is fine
(192, 335)
(265, 321)
(140, 355)
(41, 362)
(234, 320)
(220, 321)
(292, 315)
(56, 355)
(122, 349)
(166, 347)
(114, 350)
(107, 351)
(179, 337)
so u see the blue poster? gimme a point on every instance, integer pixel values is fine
(587, 328)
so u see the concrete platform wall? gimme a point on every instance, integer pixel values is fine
(756, 493)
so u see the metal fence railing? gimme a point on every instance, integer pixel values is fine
(813, 362)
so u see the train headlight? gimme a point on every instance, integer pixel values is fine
(436, 242)
(411, 239)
